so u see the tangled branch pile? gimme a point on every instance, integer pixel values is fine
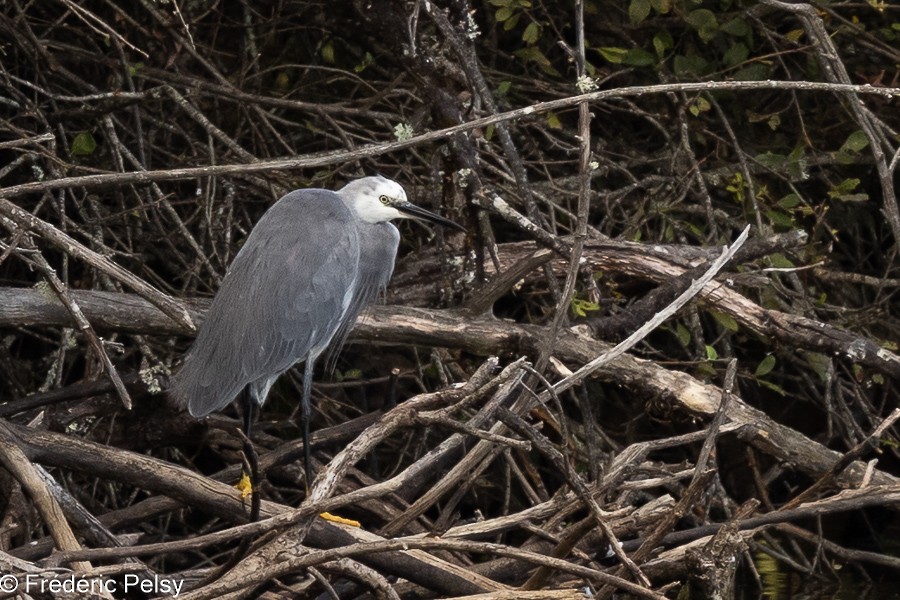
(599, 158)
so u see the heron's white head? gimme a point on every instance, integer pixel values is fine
(378, 199)
(374, 199)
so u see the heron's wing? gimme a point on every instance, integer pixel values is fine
(281, 301)
(378, 244)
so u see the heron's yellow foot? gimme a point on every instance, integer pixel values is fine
(341, 520)
(245, 486)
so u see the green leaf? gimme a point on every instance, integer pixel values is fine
(736, 54)
(780, 261)
(668, 234)
(135, 68)
(771, 160)
(661, 6)
(780, 219)
(844, 187)
(700, 105)
(775, 388)
(533, 54)
(853, 197)
(638, 57)
(790, 201)
(855, 142)
(683, 334)
(736, 27)
(327, 52)
(705, 370)
(638, 10)
(796, 164)
(691, 64)
(754, 72)
(845, 191)
(348, 375)
(612, 54)
(581, 307)
(531, 33)
(503, 88)
(84, 144)
(704, 22)
(282, 81)
(820, 364)
(553, 121)
(765, 366)
(711, 353)
(511, 22)
(844, 158)
(662, 42)
(698, 232)
(503, 14)
(725, 320)
(367, 60)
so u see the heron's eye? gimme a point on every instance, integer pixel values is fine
(384, 200)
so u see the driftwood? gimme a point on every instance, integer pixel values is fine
(394, 325)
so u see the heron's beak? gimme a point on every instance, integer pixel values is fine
(414, 212)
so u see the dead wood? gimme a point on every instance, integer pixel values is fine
(481, 425)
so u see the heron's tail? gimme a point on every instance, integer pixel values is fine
(199, 388)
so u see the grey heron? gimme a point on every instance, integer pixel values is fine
(314, 260)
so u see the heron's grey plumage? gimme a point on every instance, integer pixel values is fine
(311, 264)
(378, 243)
(281, 301)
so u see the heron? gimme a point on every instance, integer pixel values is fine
(308, 268)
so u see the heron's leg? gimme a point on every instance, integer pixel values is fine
(249, 406)
(304, 415)
(249, 473)
(307, 451)
(250, 470)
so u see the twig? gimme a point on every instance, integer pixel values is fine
(469, 62)
(836, 72)
(584, 201)
(850, 456)
(70, 246)
(378, 149)
(620, 349)
(581, 489)
(295, 563)
(16, 462)
(82, 324)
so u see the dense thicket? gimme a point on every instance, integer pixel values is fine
(209, 111)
